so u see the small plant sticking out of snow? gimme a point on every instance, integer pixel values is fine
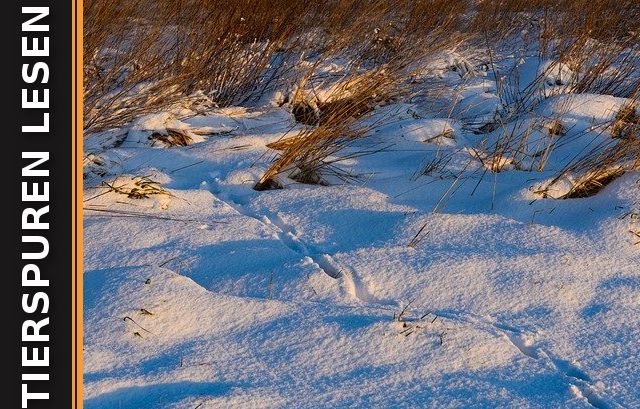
(142, 188)
(590, 184)
(587, 185)
(138, 326)
(626, 123)
(428, 322)
(165, 130)
(173, 137)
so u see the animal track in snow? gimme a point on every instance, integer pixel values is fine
(580, 382)
(287, 235)
(525, 346)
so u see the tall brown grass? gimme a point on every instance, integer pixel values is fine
(598, 41)
(141, 56)
(149, 55)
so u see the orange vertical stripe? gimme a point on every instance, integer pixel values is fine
(77, 204)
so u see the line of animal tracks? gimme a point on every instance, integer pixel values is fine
(579, 381)
(351, 282)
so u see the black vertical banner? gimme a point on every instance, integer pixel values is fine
(37, 162)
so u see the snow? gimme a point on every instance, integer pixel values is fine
(588, 107)
(556, 74)
(210, 294)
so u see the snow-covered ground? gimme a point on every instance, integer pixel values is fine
(200, 292)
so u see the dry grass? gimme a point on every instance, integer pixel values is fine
(334, 123)
(142, 188)
(626, 123)
(141, 57)
(174, 137)
(594, 169)
(598, 44)
(590, 184)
